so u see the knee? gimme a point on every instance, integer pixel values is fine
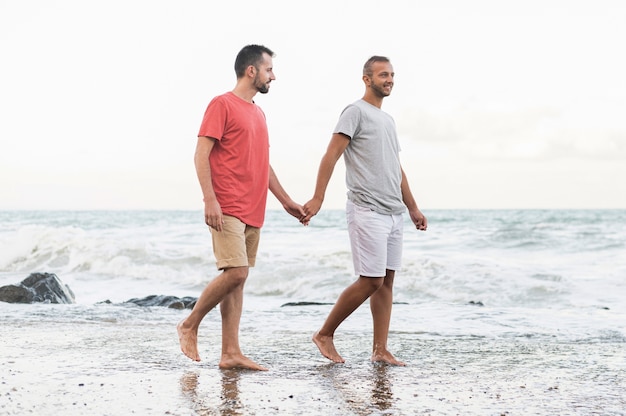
(373, 283)
(237, 275)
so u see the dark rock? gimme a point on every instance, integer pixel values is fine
(304, 304)
(168, 301)
(16, 294)
(307, 303)
(38, 288)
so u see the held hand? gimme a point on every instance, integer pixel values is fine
(296, 210)
(311, 209)
(420, 221)
(213, 215)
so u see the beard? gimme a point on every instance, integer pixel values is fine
(380, 90)
(262, 87)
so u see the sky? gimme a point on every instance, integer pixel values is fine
(498, 104)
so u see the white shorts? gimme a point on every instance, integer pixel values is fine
(376, 240)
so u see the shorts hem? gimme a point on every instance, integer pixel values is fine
(238, 262)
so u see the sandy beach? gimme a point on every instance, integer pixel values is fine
(112, 360)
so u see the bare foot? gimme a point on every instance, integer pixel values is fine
(239, 361)
(327, 347)
(385, 357)
(188, 339)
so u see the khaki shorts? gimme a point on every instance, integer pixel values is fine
(236, 245)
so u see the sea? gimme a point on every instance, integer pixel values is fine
(535, 280)
(571, 263)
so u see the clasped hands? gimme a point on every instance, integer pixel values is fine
(305, 212)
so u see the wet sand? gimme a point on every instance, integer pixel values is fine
(76, 365)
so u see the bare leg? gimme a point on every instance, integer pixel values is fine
(380, 304)
(212, 294)
(232, 357)
(349, 300)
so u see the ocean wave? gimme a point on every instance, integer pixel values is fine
(498, 258)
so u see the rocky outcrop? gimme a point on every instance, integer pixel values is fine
(167, 301)
(304, 304)
(38, 288)
(48, 288)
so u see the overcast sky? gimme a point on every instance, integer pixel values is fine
(499, 104)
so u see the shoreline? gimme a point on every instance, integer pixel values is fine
(119, 365)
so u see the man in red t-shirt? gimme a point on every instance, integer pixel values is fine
(232, 164)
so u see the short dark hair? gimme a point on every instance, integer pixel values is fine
(367, 68)
(250, 55)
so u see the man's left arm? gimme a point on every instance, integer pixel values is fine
(288, 204)
(420, 221)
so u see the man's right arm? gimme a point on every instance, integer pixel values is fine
(212, 210)
(336, 147)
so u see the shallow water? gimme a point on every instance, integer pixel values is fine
(119, 360)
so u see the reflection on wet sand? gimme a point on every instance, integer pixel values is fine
(382, 396)
(231, 404)
(204, 403)
(364, 390)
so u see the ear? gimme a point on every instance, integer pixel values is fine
(251, 71)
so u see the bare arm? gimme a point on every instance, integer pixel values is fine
(336, 147)
(279, 192)
(212, 210)
(420, 221)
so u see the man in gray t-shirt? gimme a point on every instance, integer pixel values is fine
(378, 194)
(373, 172)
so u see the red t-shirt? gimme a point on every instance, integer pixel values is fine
(240, 157)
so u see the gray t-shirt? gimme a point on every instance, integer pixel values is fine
(373, 172)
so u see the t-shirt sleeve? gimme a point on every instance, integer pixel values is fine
(349, 121)
(214, 120)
